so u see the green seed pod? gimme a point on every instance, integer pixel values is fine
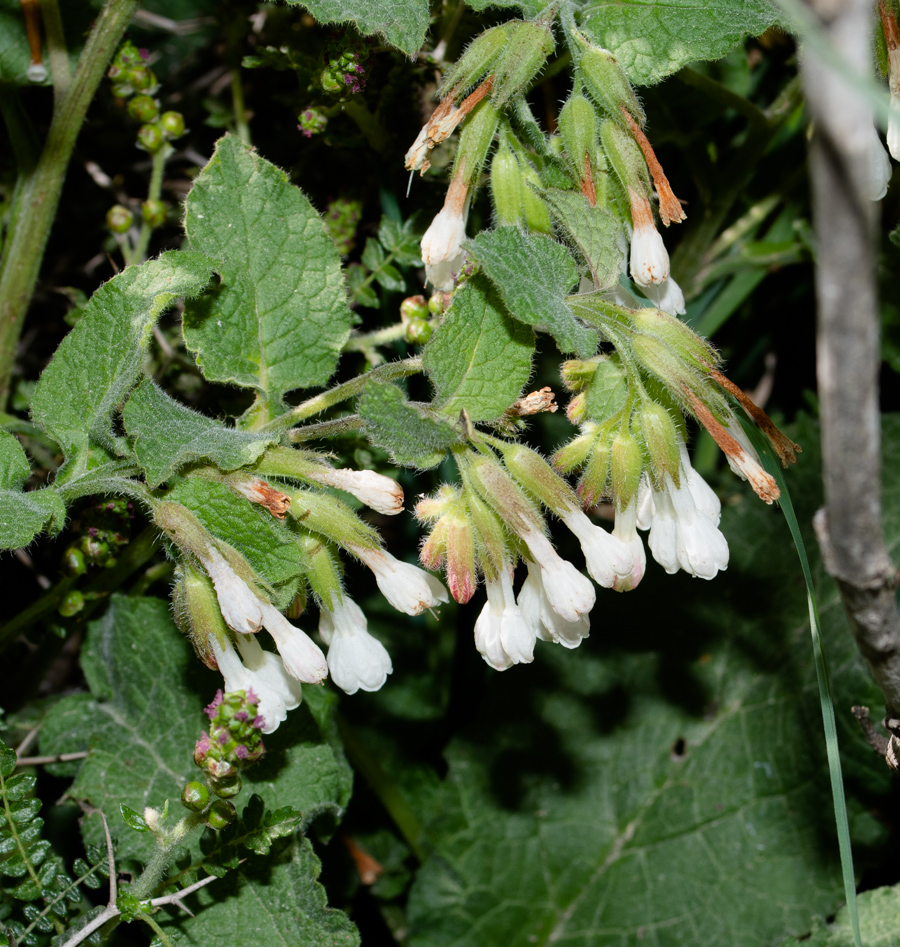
(73, 561)
(72, 603)
(537, 216)
(624, 154)
(195, 796)
(659, 435)
(221, 814)
(227, 786)
(578, 129)
(172, 124)
(476, 139)
(150, 138)
(140, 78)
(506, 187)
(154, 213)
(143, 109)
(418, 331)
(414, 307)
(119, 218)
(625, 468)
(476, 62)
(606, 83)
(522, 58)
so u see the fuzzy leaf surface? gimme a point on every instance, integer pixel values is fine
(533, 275)
(652, 39)
(879, 921)
(140, 721)
(167, 435)
(677, 797)
(272, 900)
(266, 543)
(479, 358)
(99, 361)
(593, 230)
(279, 317)
(23, 515)
(412, 434)
(403, 23)
(607, 392)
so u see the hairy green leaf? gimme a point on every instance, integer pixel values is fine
(272, 900)
(167, 435)
(266, 543)
(534, 274)
(879, 921)
(279, 317)
(596, 233)
(607, 391)
(23, 515)
(99, 361)
(413, 434)
(142, 717)
(479, 358)
(663, 781)
(402, 24)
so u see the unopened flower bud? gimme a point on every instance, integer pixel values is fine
(625, 468)
(73, 561)
(537, 215)
(606, 82)
(577, 374)
(594, 482)
(624, 155)
(227, 786)
(476, 62)
(418, 331)
(573, 454)
(154, 213)
(119, 218)
(221, 814)
(414, 307)
(578, 128)
(71, 604)
(532, 472)
(576, 409)
(143, 108)
(195, 796)
(522, 58)
(172, 124)
(506, 187)
(150, 138)
(660, 437)
(141, 78)
(475, 141)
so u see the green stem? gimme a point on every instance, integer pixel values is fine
(56, 47)
(362, 343)
(160, 933)
(162, 857)
(328, 399)
(41, 193)
(240, 112)
(351, 422)
(154, 192)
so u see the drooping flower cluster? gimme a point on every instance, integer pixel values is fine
(234, 740)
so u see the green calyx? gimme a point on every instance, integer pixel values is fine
(507, 187)
(579, 132)
(475, 140)
(625, 466)
(538, 478)
(624, 154)
(478, 59)
(606, 83)
(657, 431)
(522, 58)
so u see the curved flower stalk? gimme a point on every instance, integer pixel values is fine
(356, 660)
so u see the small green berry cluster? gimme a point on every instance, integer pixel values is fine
(346, 63)
(312, 122)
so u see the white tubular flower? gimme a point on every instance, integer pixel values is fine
(408, 588)
(626, 532)
(263, 674)
(503, 636)
(644, 504)
(669, 297)
(704, 496)
(303, 659)
(240, 608)
(537, 611)
(570, 593)
(878, 167)
(378, 492)
(649, 258)
(893, 129)
(355, 659)
(442, 251)
(607, 558)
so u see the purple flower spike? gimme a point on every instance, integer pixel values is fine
(223, 737)
(259, 722)
(202, 745)
(241, 752)
(216, 701)
(242, 715)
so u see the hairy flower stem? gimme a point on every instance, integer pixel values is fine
(39, 195)
(166, 843)
(154, 192)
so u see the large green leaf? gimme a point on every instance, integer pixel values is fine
(534, 274)
(168, 435)
(401, 22)
(654, 38)
(268, 901)
(142, 717)
(666, 781)
(23, 515)
(879, 922)
(279, 318)
(99, 361)
(479, 358)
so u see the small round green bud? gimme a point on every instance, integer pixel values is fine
(150, 138)
(72, 603)
(111, 563)
(154, 213)
(172, 124)
(121, 90)
(227, 786)
(418, 331)
(141, 78)
(143, 109)
(195, 796)
(94, 547)
(331, 82)
(119, 218)
(73, 561)
(414, 307)
(221, 814)
(437, 303)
